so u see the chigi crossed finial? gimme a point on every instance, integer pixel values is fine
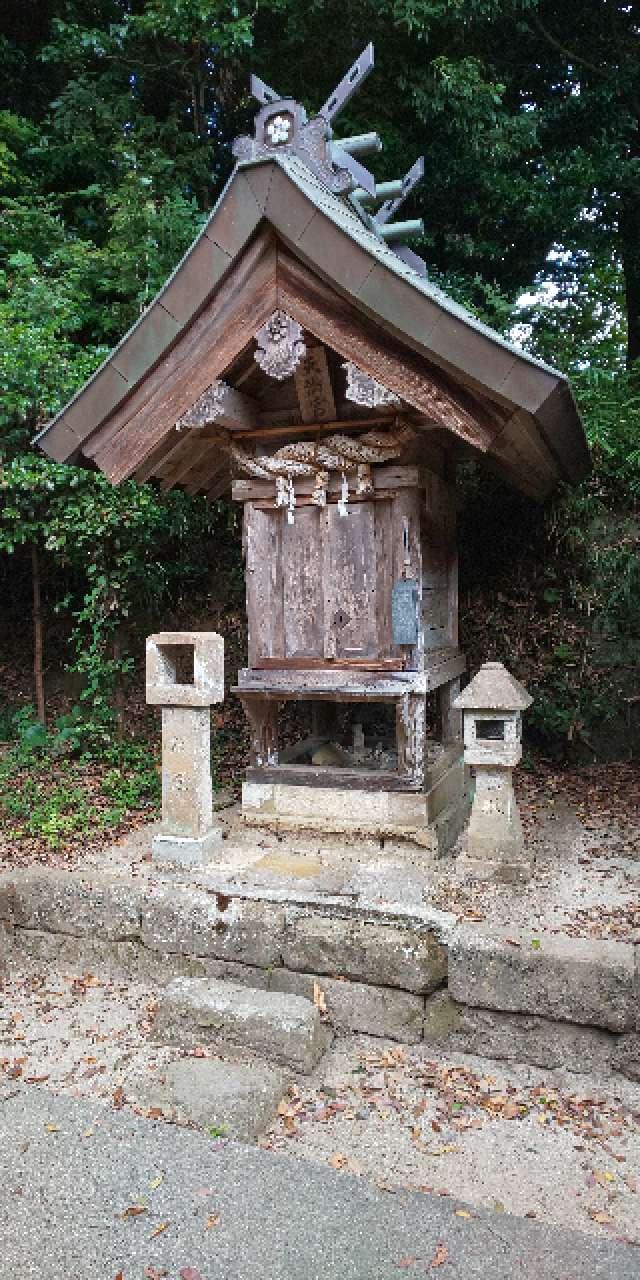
(281, 125)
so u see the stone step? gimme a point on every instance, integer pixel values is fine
(224, 1016)
(229, 1099)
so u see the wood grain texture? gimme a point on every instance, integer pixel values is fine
(335, 322)
(246, 297)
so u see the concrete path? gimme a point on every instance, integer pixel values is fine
(71, 1169)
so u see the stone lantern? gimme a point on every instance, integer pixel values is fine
(492, 706)
(185, 676)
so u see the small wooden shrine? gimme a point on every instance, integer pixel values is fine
(300, 359)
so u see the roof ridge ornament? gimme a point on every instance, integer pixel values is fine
(282, 126)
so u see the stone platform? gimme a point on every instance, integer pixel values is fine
(358, 939)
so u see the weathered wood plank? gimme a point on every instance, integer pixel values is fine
(329, 664)
(407, 557)
(330, 318)
(313, 385)
(263, 551)
(350, 582)
(307, 775)
(246, 297)
(302, 584)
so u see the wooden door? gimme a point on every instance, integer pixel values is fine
(321, 587)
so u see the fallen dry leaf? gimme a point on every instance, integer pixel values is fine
(405, 1262)
(464, 1213)
(52, 1128)
(441, 1254)
(157, 1231)
(337, 1160)
(212, 1221)
(134, 1210)
(319, 998)
(189, 1273)
(152, 1273)
(598, 1216)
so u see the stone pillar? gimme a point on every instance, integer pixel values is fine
(492, 707)
(188, 834)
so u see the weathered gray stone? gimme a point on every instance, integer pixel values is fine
(581, 980)
(379, 954)
(99, 905)
(281, 1028)
(213, 924)
(355, 1006)
(238, 1099)
(626, 1057)
(186, 851)
(517, 1037)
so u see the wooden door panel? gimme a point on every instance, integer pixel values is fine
(302, 583)
(263, 562)
(350, 584)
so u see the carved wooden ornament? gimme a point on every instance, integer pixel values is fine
(206, 409)
(363, 389)
(280, 346)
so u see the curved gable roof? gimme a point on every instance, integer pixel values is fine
(327, 234)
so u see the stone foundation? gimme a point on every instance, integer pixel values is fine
(547, 999)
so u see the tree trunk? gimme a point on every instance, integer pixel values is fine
(38, 673)
(630, 251)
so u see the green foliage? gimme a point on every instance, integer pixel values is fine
(47, 793)
(114, 140)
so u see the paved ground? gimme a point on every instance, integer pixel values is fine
(71, 1171)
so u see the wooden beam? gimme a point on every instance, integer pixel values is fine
(302, 429)
(230, 408)
(336, 323)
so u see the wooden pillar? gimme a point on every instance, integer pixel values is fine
(262, 714)
(450, 719)
(410, 736)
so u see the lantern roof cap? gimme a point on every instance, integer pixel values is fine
(493, 689)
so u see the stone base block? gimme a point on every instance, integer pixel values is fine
(458, 1028)
(499, 870)
(186, 851)
(399, 815)
(356, 1006)
(379, 954)
(582, 980)
(224, 1015)
(238, 1100)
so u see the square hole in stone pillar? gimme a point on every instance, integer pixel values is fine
(178, 660)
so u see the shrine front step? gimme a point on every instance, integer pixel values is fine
(223, 1016)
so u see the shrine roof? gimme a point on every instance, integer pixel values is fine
(330, 235)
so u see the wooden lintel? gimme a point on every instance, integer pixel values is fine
(301, 429)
